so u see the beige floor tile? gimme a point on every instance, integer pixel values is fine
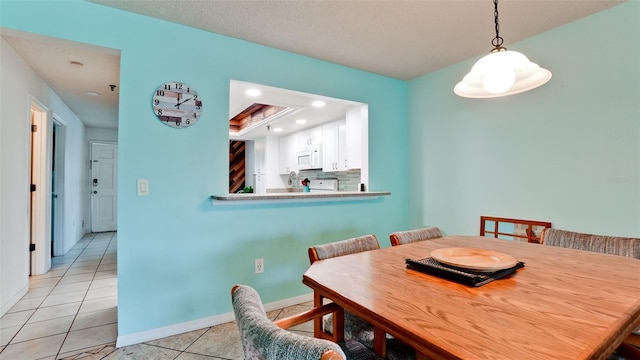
(64, 298)
(39, 292)
(27, 304)
(221, 341)
(15, 319)
(86, 338)
(51, 274)
(189, 356)
(81, 270)
(69, 279)
(92, 353)
(6, 334)
(107, 266)
(110, 302)
(101, 292)
(61, 266)
(95, 318)
(180, 341)
(103, 283)
(293, 310)
(90, 262)
(53, 312)
(107, 274)
(33, 349)
(60, 289)
(44, 282)
(142, 352)
(43, 329)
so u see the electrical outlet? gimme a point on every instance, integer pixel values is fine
(259, 265)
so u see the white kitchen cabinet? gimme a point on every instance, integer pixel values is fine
(266, 151)
(287, 153)
(356, 116)
(330, 145)
(342, 142)
(310, 139)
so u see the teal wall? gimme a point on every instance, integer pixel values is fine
(178, 255)
(567, 152)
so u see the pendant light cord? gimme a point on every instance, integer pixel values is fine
(497, 41)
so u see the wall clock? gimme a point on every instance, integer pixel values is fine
(177, 104)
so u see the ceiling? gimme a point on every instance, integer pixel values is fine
(400, 39)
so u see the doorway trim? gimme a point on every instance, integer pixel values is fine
(58, 192)
(40, 175)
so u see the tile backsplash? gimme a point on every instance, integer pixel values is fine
(347, 180)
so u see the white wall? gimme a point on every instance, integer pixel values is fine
(17, 82)
(96, 134)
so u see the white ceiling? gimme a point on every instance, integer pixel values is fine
(400, 39)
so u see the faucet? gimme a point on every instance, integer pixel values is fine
(293, 180)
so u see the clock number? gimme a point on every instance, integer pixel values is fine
(195, 115)
(195, 97)
(167, 86)
(188, 90)
(187, 122)
(178, 123)
(178, 86)
(156, 101)
(159, 111)
(160, 92)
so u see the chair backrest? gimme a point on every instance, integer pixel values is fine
(343, 247)
(615, 245)
(513, 229)
(409, 236)
(262, 339)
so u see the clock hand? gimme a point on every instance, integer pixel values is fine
(180, 103)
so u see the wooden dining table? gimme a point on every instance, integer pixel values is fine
(563, 304)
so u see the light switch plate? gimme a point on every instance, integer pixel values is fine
(143, 187)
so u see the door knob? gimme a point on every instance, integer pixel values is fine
(95, 192)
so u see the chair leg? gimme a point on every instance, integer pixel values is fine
(338, 322)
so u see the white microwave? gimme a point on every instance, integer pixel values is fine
(309, 159)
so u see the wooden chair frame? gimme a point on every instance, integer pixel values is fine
(530, 235)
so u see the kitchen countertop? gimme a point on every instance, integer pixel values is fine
(297, 196)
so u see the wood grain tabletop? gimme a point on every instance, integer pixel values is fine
(564, 304)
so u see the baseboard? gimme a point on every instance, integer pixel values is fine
(159, 333)
(14, 300)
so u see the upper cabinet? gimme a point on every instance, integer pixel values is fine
(288, 151)
(342, 142)
(310, 139)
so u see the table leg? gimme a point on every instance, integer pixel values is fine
(380, 342)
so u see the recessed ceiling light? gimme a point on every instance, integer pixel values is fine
(318, 103)
(301, 121)
(253, 92)
(91, 93)
(277, 129)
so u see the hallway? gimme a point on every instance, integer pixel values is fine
(70, 313)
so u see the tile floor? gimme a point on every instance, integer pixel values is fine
(71, 313)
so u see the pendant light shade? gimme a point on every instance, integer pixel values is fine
(501, 73)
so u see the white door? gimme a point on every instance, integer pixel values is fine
(104, 165)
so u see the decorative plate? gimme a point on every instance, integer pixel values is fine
(474, 259)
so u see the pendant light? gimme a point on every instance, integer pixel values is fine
(502, 72)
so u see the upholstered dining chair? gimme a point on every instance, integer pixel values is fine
(614, 245)
(354, 327)
(263, 339)
(409, 236)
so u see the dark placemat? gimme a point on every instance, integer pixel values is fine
(464, 276)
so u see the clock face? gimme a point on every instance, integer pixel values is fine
(176, 104)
